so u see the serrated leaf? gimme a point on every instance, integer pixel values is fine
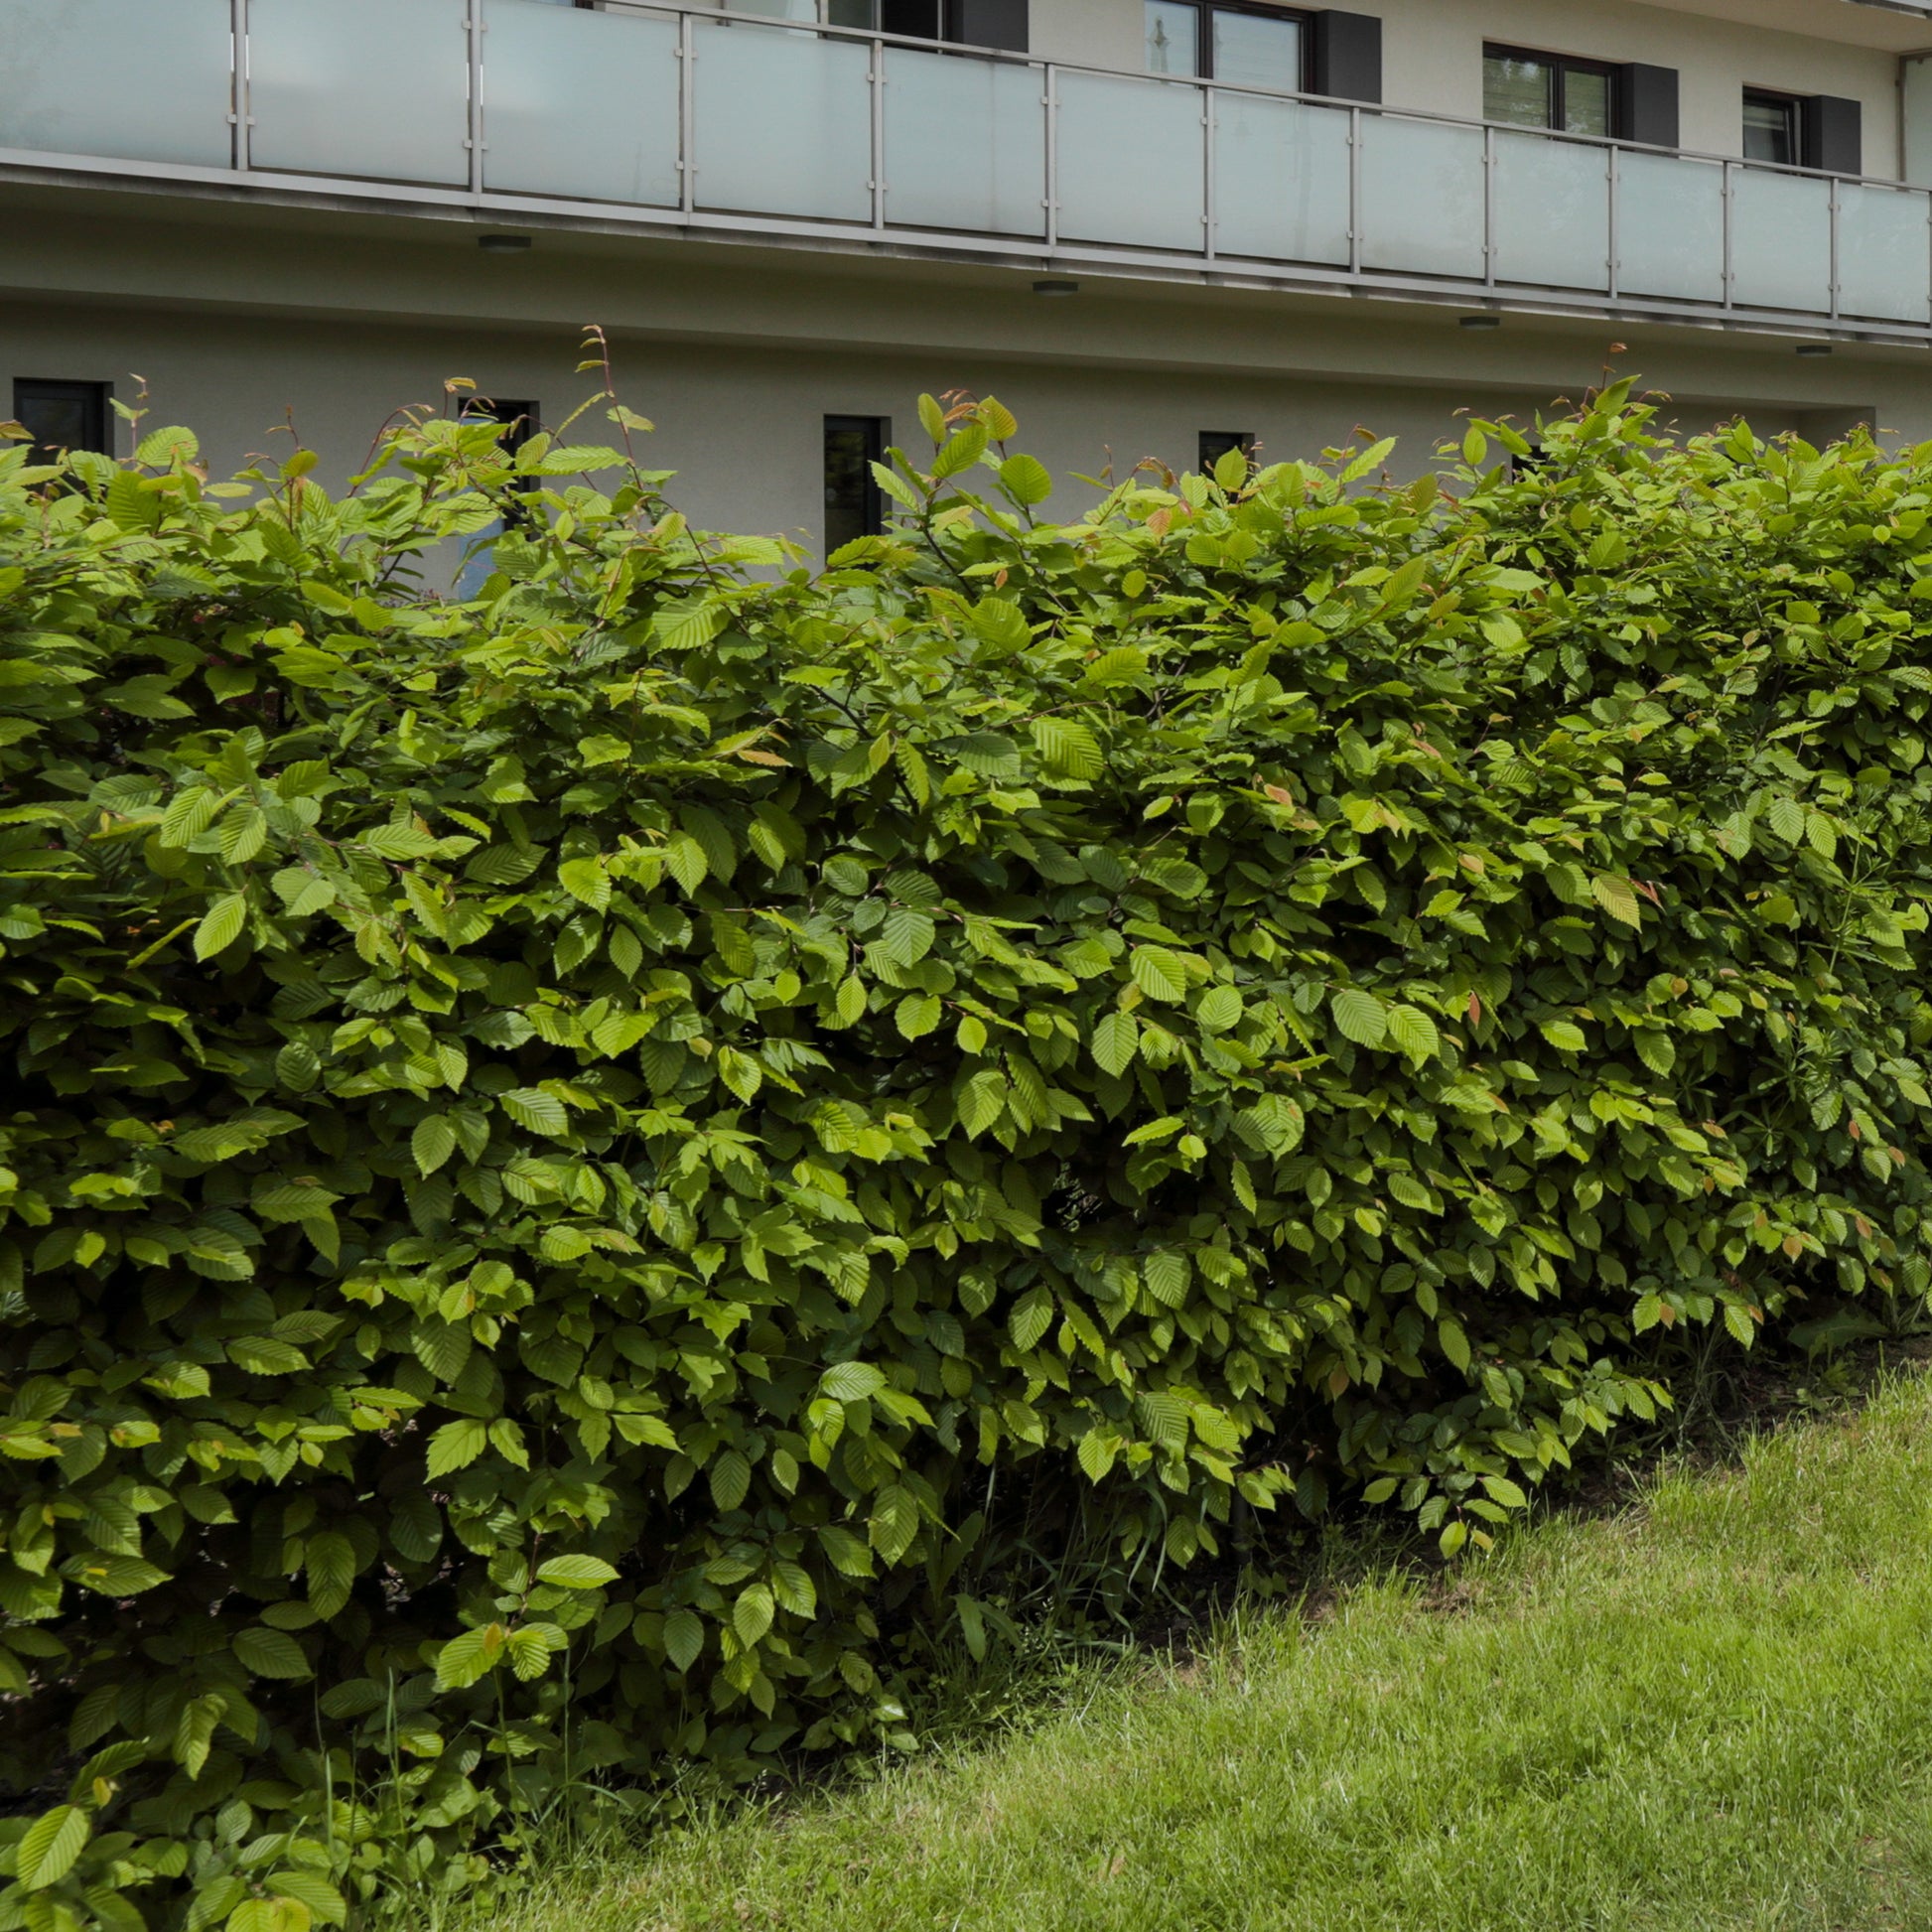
(1617, 897)
(540, 1112)
(1564, 1035)
(752, 1614)
(52, 1844)
(683, 1638)
(731, 1481)
(1159, 973)
(577, 1572)
(268, 1652)
(1026, 480)
(918, 1015)
(1412, 1030)
(433, 1142)
(1359, 1016)
(456, 1445)
(1116, 1039)
(220, 925)
(851, 1381)
(1068, 748)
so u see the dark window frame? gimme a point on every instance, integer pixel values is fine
(877, 432)
(98, 398)
(1792, 107)
(1302, 16)
(1563, 65)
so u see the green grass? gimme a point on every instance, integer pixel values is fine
(1712, 1710)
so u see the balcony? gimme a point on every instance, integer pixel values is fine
(735, 124)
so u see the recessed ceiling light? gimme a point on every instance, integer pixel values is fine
(1057, 288)
(503, 244)
(1482, 322)
(1814, 348)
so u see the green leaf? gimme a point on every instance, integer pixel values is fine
(1456, 1344)
(731, 1481)
(851, 1381)
(1565, 1036)
(433, 1142)
(52, 1844)
(540, 1112)
(1220, 1010)
(1617, 897)
(683, 1638)
(1068, 748)
(1412, 1029)
(1159, 973)
(1026, 480)
(267, 1652)
(752, 1614)
(577, 1573)
(1359, 1016)
(456, 1445)
(918, 1015)
(220, 925)
(1116, 1039)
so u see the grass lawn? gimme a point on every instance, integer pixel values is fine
(1713, 1711)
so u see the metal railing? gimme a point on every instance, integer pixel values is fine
(707, 119)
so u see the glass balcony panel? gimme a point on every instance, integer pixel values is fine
(1780, 240)
(965, 144)
(783, 122)
(378, 89)
(1132, 162)
(1281, 180)
(1553, 212)
(580, 105)
(134, 79)
(1669, 227)
(1885, 252)
(1422, 196)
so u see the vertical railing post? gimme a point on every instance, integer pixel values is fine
(1615, 266)
(687, 98)
(1354, 190)
(1052, 100)
(1834, 257)
(1490, 206)
(242, 121)
(1209, 218)
(876, 69)
(475, 25)
(1730, 264)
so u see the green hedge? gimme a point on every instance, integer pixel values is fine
(591, 1171)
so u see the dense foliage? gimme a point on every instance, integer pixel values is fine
(588, 1170)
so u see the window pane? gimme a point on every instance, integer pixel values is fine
(1517, 91)
(1767, 130)
(1251, 52)
(62, 416)
(1172, 37)
(853, 443)
(1587, 103)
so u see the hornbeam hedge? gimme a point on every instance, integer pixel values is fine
(590, 1173)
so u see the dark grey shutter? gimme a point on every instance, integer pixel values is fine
(1347, 61)
(1647, 104)
(988, 23)
(1831, 135)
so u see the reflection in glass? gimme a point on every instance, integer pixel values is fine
(1587, 103)
(1252, 50)
(1172, 36)
(1517, 91)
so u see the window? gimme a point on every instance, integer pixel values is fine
(1217, 442)
(63, 416)
(1772, 130)
(853, 509)
(516, 423)
(1247, 47)
(1547, 90)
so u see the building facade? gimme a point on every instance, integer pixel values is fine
(1150, 226)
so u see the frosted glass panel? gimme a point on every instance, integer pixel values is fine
(1422, 196)
(1132, 162)
(376, 89)
(135, 79)
(1780, 240)
(965, 144)
(1553, 212)
(1885, 252)
(783, 122)
(579, 103)
(1669, 227)
(1281, 180)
